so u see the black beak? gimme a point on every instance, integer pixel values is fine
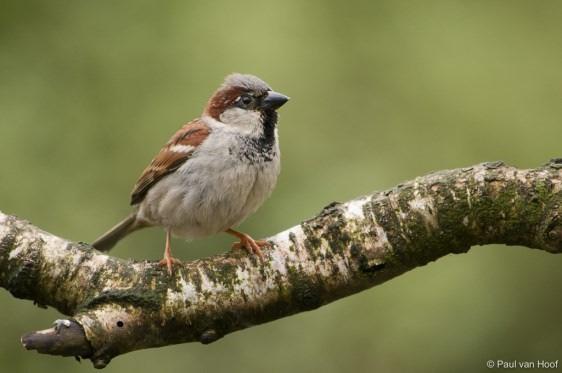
(274, 100)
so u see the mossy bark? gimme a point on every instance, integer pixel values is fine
(121, 306)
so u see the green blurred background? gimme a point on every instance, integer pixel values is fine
(382, 91)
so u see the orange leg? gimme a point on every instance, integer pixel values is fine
(248, 243)
(168, 260)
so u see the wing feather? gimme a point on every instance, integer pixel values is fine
(175, 153)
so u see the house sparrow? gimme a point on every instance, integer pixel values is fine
(214, 172)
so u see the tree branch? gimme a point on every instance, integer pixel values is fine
(117, 306)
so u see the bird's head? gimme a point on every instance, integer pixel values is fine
(244, 101)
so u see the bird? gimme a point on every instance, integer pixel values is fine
(213, 173)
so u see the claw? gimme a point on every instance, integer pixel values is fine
(169, 262)
(248, 243)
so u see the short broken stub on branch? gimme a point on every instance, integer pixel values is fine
(117, 306)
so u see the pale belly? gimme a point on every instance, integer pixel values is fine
(203, 199)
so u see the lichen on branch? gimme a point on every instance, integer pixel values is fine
(117, 306)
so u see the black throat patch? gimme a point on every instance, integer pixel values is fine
(261, 149)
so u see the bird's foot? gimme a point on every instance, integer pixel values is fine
(169, 261)
(250, 245)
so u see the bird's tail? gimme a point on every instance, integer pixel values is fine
(119, 231)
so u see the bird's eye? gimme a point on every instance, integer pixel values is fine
(245, 100)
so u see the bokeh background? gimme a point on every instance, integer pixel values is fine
(382, 91)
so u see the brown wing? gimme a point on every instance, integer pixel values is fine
(178, 150)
